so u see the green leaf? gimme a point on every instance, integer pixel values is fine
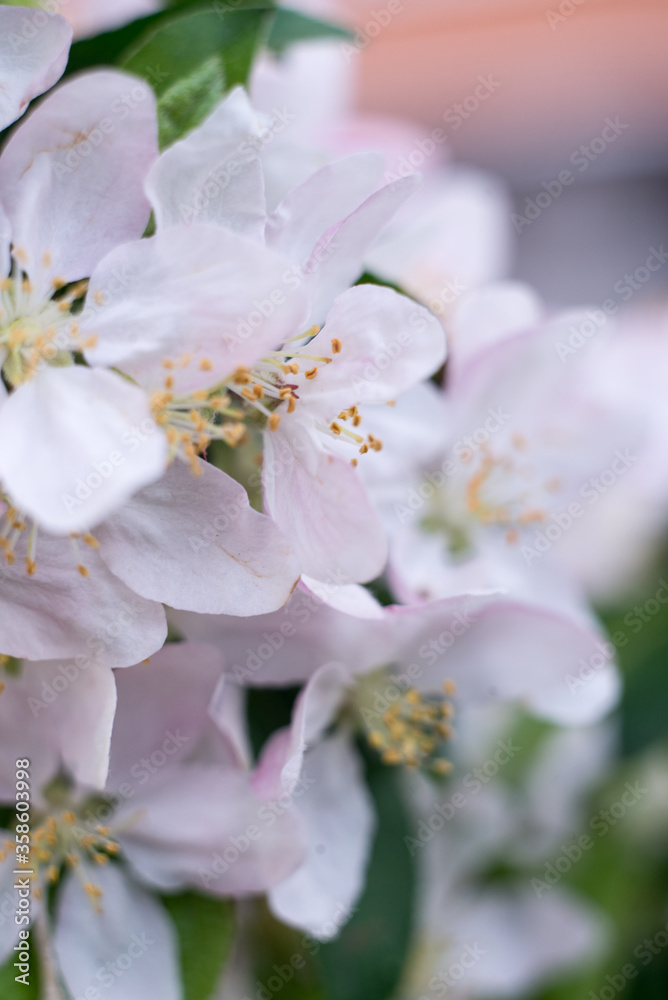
(205, 929)
(9, 988)
(367, 959)
(644, 716)
(176, 51)
(108, 48)
(188, 102)
(290, 27)
(115, 47)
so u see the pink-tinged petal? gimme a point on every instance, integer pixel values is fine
(508, 650)
(5, 242)
(33, 54)
(75, 443)
(59, 613)
(204, 826)
(214, 175)
(130, 925)
(194, 542)
(163, 706)
(337, 260)
(287, 647)
(456, 234)
(62, 713)
(524, 940)
(228, 711)
(26, 730)
(388, 344)
(200, 294)
(71, 177)
(321, 894)
(485, 317)
(280, 768)
(90, 17)
(318, 501)
(81, 717)
(324, 200)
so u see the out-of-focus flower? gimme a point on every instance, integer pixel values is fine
(90, 17)
(453, 235)
(498, 938)
(514, 451)
(33, 56)
(176, 799)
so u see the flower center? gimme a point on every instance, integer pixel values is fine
(63, 839)
(501, 492)
(35, 331)
(405, 726)
(17, 533)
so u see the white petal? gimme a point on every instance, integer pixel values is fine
(322, 201)
(194, 542)
(71, 177)
(320, 896)
(58, 613)
(75, 443)
(132, 932)
(33, 54)
(319, 502)
(214, 175)
(288, 646)
(389, 344)
(192, 826)
(199, 292)
(162, 704)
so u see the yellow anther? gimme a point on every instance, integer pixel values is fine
(91, 540)
(274, 421)
(311, 373)
(206, 365)
(82, 569)
(336, 345)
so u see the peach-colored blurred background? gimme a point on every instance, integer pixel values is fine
(556, 70)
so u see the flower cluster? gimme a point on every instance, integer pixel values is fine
(230, 463)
